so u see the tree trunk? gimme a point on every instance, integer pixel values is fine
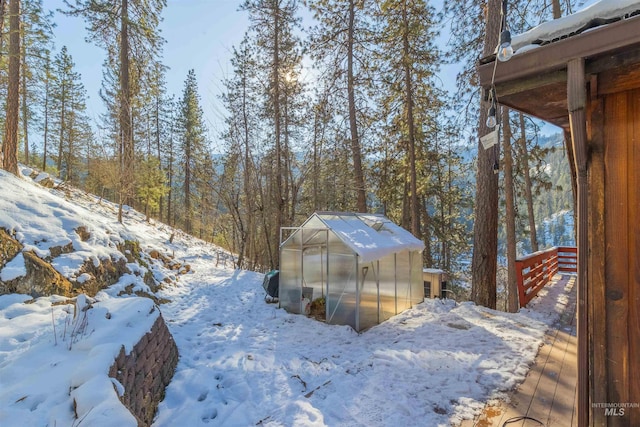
(10, 145)
(187, 188)
(353, 124)
(413, 178)
(427, 254)
(3, 8)
(524, 155)
(251, 229)
(557, 12)
(45, 135)
(485, 227)
(512, 286)
(25, 110)
(126, 137)
(159, 152)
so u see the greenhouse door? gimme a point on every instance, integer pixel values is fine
(314, 267)
(369, 308)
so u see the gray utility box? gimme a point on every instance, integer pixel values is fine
(435, 283)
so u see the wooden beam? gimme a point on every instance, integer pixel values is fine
(577, 100)
(634, 255)
(619, 79)
(617, 239)
(597, 254)
(534, 82)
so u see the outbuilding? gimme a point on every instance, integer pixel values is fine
(361, 269)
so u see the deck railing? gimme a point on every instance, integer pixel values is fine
(536, 270)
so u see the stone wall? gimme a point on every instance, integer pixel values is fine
(146, 371)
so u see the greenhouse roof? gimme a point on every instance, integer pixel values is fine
(368, 235)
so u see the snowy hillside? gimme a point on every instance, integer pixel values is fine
(242, 361)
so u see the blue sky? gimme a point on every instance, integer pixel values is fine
(199, 34)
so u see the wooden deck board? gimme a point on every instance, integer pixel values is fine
(549, 390)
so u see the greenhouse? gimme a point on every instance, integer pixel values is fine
(358, 269)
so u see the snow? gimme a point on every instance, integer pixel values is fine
(242, 361)
(13, 269)
(358, 233)
(601, 10)
(39, 365)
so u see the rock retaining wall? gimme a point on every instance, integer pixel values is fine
(146, 371)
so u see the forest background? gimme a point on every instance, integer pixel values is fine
(332, 105)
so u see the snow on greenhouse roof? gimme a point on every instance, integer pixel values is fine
(370, 236)
(599, 13)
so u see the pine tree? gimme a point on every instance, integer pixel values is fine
(69, 122)
(510, 214)
(46, 112)
(160, 116)
(170, 158)
(128, 30)
(193, 149)
(342, 43)
(10, 141)
(407, 61)
(151, 184)
(239, 179)
(36, 40)
(278, 52)
(485, 229)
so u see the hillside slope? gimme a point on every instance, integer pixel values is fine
(242, 361)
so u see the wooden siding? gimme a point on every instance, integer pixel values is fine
(614, 296)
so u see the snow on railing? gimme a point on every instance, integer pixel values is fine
(534, 271)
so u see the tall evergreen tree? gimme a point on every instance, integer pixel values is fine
(278, 50)
(193, 148)
(408, 61)
(10, 141)
(510, 214)
(127, 29)
(46, 112)
(239, 181)
(342, 43)
(36, 41)
(485, 228)
(69, 122)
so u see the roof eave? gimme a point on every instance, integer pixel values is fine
(535, 82)
(555, 56)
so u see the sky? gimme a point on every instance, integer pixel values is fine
(199, 34)
(243, 361)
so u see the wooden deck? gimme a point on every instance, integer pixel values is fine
(548, 392)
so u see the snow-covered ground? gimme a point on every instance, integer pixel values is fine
(243, 361)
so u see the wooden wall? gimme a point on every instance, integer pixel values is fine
(613, 300)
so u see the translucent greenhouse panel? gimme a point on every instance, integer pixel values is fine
(341, 296)
(417, 285)
(314, 271)
(403, 280)
(368, 286)
(387, 274)
(290, 292)
(314, 222)
(314, 232)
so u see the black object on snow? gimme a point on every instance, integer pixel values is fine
(271, 283)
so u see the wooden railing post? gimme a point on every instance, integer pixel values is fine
(520, 279)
